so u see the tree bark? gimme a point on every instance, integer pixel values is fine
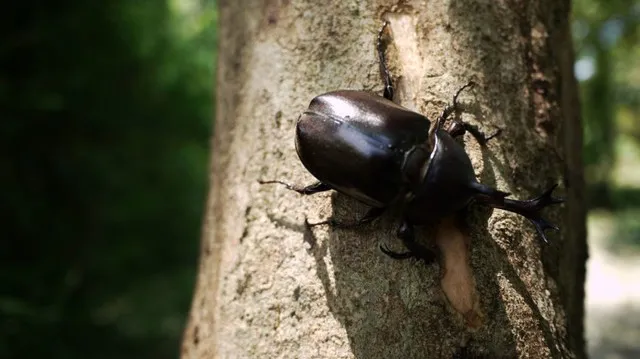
(269, 287)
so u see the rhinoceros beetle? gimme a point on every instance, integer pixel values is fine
(382, 154)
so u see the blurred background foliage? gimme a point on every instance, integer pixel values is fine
(606, 37)
(106, 117)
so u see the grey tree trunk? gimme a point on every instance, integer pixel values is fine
(270, 288)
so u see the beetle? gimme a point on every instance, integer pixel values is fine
(371, 149)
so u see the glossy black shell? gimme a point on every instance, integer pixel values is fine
(362, 145)
(449, 185)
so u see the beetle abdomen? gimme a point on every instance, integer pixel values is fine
(339, 155)
(355, 142)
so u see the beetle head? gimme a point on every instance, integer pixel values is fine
(447, 180)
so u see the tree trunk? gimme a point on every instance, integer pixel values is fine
(271, 288)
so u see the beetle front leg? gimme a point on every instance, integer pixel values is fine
(451, 108)
(384, 70)
(407, 235)
(458, 128)
(307, 190)
(369, 217)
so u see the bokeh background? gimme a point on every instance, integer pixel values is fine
(106, 114)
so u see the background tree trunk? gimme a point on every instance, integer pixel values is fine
(270, 288)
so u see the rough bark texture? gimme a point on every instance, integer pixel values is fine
(270, 288)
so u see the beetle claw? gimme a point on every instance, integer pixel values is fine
(331, 222)
(546, 199)
(542, 225)
(530, 208)
(533, 212)
(536, 205)
(395, 255)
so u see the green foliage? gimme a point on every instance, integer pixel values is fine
(607, 35)
(106, 117)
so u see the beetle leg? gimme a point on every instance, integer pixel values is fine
(406, 234)
(307, 190)
(396, 255)
(458, 128)
(450, 108)
(368, 217)
(529, 209)
(384, 70)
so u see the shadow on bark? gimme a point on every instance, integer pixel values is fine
(544, 80)
(395, 309)
(400, 303)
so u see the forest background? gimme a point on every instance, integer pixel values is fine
(106, 114)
